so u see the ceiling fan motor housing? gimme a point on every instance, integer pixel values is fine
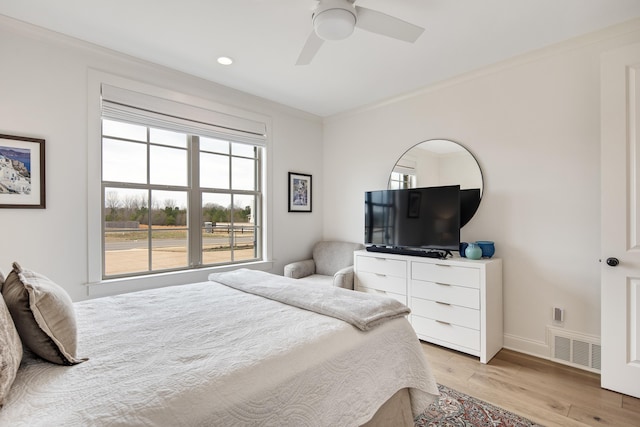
(334, 19)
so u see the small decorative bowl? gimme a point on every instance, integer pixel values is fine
(463, 247)
(488, 248)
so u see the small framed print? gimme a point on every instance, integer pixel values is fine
(415, 199)
(22, 180)
(299, 192)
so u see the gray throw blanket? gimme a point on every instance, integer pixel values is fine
(364, 311)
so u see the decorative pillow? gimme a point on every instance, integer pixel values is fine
(43, 314)
(10, 349)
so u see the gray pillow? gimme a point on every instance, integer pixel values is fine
(43, 314)
(10, 349)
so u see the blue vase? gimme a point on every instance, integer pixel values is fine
(463, 247)
(487, 247)
(473, 251)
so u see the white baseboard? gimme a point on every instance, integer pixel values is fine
(527, 346)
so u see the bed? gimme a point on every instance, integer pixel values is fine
(229, 352)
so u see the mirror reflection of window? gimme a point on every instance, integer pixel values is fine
(401, 181)
(403, 175)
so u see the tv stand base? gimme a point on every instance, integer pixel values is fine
(427, 253)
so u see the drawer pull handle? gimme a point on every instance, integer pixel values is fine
(443, 323)
(442, 303)
(443, 265)
(442, 284)
(380, 275)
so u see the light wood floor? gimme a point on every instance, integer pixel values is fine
(545, 392)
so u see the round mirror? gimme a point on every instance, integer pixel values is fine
(438, 162)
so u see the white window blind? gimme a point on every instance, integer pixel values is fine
(134, 107)
(405, 167)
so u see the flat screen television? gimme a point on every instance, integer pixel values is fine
(416, 218)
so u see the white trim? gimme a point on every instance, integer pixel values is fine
(94, 179)
(526, 345)
(95, 80)
(161, 280)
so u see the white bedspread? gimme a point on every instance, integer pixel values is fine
(208, 355)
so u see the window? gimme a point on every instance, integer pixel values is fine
(399, 180)
(177, 193)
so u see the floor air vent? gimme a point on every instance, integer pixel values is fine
(575, 349)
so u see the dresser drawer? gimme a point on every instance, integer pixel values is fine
(382, 282)
(454, 334)
(444, 273)
(386, 266)
(454, 314)
(457, 295)
(399, 297)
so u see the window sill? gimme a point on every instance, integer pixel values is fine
(139, 283)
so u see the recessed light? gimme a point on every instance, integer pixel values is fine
(225, 60)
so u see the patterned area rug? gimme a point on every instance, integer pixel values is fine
(455, 409)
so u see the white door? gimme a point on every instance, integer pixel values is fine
(620, 216)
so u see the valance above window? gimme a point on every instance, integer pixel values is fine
(134, 107)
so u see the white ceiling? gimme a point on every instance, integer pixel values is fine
(264, 37)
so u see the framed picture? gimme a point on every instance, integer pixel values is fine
(21, 172)
(299, 192)
(415, 198)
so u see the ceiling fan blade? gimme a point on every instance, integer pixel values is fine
(309, 50)
(381, 23)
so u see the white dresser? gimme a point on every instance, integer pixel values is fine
(456, 303)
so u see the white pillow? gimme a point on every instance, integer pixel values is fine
(10, 349)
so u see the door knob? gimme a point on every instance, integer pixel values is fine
(612, 262)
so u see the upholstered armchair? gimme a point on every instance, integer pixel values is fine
(331, 265)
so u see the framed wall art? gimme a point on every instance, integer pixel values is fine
(22, 179)
(299, 192)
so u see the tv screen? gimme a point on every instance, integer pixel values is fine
(426, 218)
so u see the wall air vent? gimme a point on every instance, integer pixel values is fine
(574, 349)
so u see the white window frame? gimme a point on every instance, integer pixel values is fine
(96, 286)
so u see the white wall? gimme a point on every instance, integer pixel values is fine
(43, 94)
(534, 125)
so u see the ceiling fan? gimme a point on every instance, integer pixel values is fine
(336, 20)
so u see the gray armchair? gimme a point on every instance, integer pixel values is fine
(331, 265)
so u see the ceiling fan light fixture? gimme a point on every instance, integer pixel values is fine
(336, 20)
(334, 24)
